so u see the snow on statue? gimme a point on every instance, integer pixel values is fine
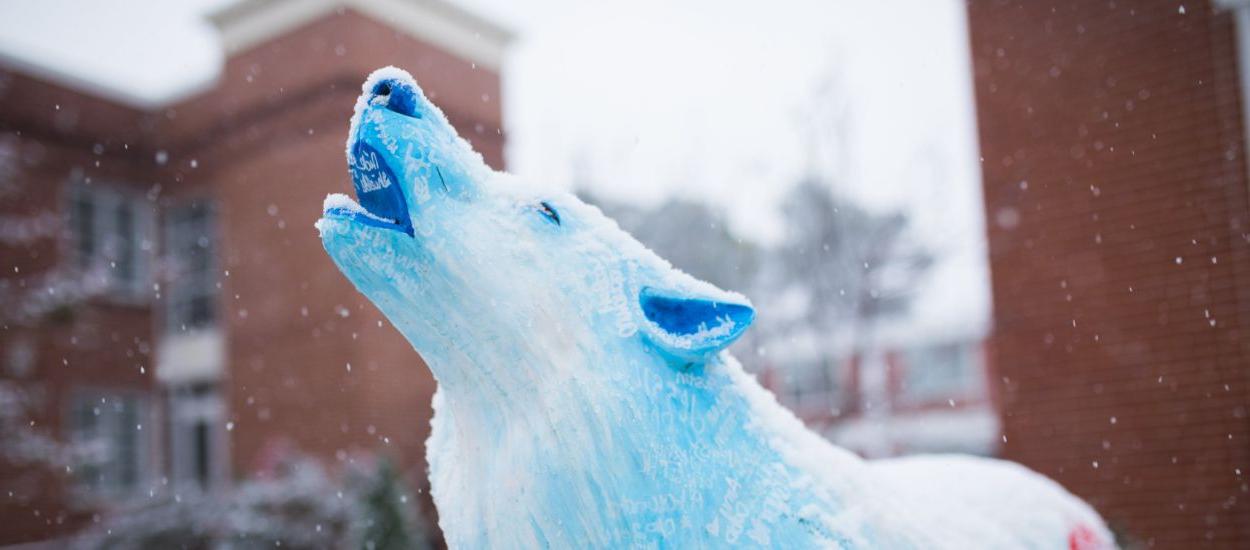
(584, 398)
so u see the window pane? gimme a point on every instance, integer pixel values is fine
(109, 444)
(195, 410)
(127, 455)
(201, 453)
(83, 227)
(200, 312)
(189, 233)
(125, 237)
(937, 372)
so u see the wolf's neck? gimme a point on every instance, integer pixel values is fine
(658, 447)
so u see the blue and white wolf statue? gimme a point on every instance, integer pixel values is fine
(585, 399)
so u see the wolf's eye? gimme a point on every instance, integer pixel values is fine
(549, 212)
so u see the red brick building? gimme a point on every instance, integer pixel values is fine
(165, 292)
(1115, 177)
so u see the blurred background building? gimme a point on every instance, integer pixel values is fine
(180, 361)
(1114, 145)
(170, 326)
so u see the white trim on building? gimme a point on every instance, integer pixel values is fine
(251, 22)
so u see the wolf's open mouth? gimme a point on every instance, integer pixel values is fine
(343, 206)
(377, 187)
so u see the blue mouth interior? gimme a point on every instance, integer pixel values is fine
(377, 188)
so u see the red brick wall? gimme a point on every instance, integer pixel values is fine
(1119, 229)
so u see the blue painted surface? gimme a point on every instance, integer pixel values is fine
(585, 399)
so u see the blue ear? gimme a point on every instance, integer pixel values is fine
(689, 328)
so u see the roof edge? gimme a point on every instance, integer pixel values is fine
(251, 22)
(103, 89)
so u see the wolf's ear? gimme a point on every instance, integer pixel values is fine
(692, 328)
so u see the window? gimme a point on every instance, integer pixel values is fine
(196, 442)
(813, 386)
(190, 245)
(111, 237)
(940, 372)
(108, 433)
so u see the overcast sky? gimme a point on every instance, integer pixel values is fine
(646, 99)
(708, 99)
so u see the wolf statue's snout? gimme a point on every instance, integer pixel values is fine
(396, 96)
(391, 171)
(404, 156)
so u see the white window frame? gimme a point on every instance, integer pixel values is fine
(110, 425)
(105, 201)
(191, 406)
(182, 288)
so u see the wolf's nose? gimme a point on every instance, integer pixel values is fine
(397, 96)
